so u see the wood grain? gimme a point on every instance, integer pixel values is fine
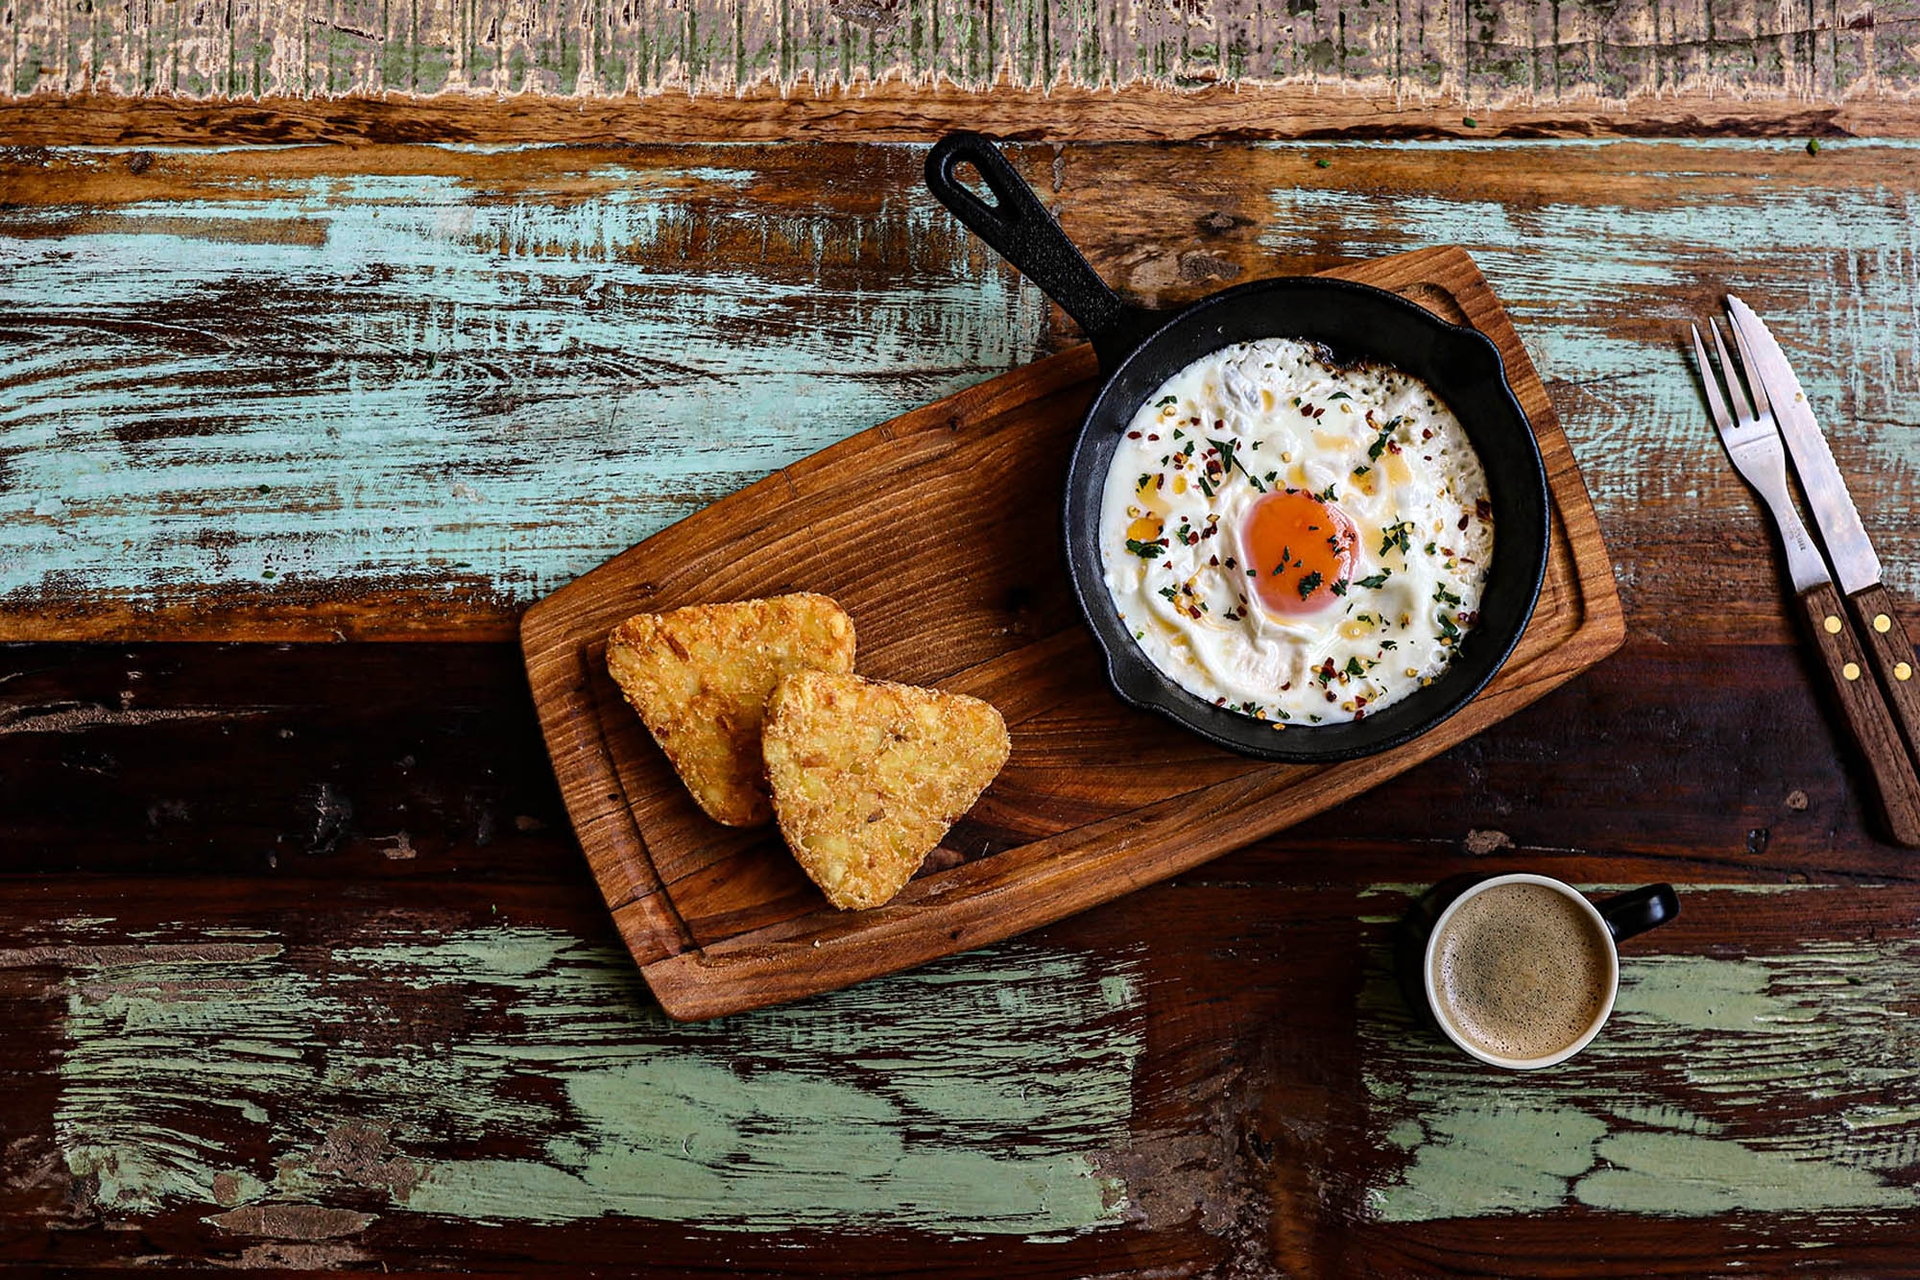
(297, 934)
(934, 531)
(1249, 1127)
(1876, 615)
(466, 377)
(194, 830)
(1850, 682)
(404, 769)
(895, 111)
(724, 69)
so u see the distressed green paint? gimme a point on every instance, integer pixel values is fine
(1673, 1110)
(972, 1096)
(1668, 1173)
(445, 383)
(1538, 51)
(493, 391)
(1832, 268)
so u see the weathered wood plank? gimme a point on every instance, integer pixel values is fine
(437, 1087)
(302, 968)
(464, 377)
(1416, 52)
(897, 112)
(394, 770)
(576, 1099)
(1680, 1108)
(319, 396)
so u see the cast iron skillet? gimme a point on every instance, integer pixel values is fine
(1140, 349)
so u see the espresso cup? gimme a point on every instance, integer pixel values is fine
(1521, 970)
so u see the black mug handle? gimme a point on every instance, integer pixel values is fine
(1639, 910)
(1020, 229)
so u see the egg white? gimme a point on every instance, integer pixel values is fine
(1265, 416)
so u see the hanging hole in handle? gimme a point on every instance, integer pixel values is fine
(967, 175)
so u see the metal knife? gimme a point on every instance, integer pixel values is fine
(1855, 565)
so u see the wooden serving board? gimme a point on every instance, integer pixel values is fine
(937, 532)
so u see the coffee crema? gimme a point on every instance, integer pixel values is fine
(1521, 971)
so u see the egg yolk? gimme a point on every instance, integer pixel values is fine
(1298, 547)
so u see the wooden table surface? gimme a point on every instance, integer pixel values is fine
(310, 333)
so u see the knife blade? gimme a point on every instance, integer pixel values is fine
(1854, 562)
(1874, 610)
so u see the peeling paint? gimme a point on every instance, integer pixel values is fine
(973, 1096)
(1568, 271)
(293, 1221)
(1536, 51)
(493, 393)
(1673, 1110)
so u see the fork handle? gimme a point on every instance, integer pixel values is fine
(1893, 658)
(1866, 711)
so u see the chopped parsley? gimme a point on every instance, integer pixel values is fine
(1169, 593)
(1147, 550)
(1340, 587)
(1443, 596)
(1379, 446)
(1353, 667)
(1377, 580)
(1398, 534)
(1448, 631)
(1309, 583)
(1164, 401)
(1325, 495)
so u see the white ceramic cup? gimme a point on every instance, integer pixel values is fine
(1614, 919)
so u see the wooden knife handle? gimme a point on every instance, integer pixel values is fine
(1866, 712)
(1891, 649)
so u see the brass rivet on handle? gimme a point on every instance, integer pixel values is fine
(1882, 623)
(1902, 671)
(1851, 671)
(1832, 624)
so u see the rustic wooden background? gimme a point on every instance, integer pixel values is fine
(300, 965)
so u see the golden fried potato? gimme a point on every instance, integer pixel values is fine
(700, 677)
(867, 776)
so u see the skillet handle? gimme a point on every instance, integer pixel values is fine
(1019, 229)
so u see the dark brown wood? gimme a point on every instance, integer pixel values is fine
(1253, 1140)
(900, 112)
(1877, 616)
(1096, 799)
(1864, 707)
(231, 765)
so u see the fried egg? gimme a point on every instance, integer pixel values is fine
(1297, 540)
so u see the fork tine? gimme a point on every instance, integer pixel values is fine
(1760, 404)
(1742, 411)
(1711, 382)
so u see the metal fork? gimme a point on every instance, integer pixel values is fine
(1759, 455)
(1753, 442)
